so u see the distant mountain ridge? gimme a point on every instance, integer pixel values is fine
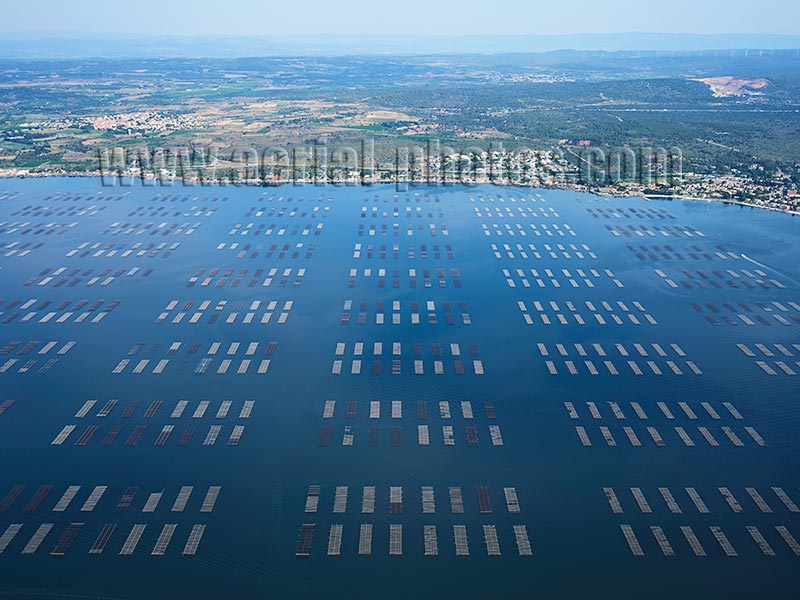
(44, 45)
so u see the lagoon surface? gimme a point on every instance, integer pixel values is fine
(662, 293)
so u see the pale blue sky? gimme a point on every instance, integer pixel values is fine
(271, 17)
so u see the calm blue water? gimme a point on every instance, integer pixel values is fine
(248, 549)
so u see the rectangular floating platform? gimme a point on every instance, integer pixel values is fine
(163, 539)
(787, 501)
(324, 436)
(456, 500)
(632, 437)
(430, 540)
(103, 538)
(327, 412)
(659, 441)
(616, 410)
(365, 539)
(36, 501)
(694, 543)
(312, 499)
(723, 541)
(63, 435)
(593, 410)
(422, 410)
(633, 542)
(472, 435)
(613, 500)
(127, 498)
(663, 542)
(186, 436)
(129, 547)
(490, 538)
(164, 434)
(236, 435)
(428, 501)
(688, 410)
(710, 410)
(247, 409)
(340, 499)
(8, 535)
(766, 368)
(684, 436)
(107, 408)
(136, 435)
(523, 542)
(669, 499)
(460, 540)
(211, 499)
(335, 540)
(607, 436)
(395, 539)
(760, 541)
(182, 499)
(368, 499)
(708, 437)
(66, 498)
(641, 500)
(212, 435)
(195, 535)
(731, 409)
(304, 539)
(665, 409)
(395, 499)
(38, 537)
(512, 502)
(731, 500)
(638, 410)
(759, 500)
(756, 436)
(697, 500)
(86, 435)
(65, 542)
(423, 435)
(573, 414)
(447, 435)
(496, 436)
(84, 410)
(790, 540)
(735, 440)
(152, 502)
(581, 431)
(94, 498)
(484, 502)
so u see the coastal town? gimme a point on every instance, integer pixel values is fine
(552, 170)
(582, 121)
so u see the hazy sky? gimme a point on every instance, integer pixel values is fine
(271, 17)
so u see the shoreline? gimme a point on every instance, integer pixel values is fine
(595, 191)
(725, 201)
